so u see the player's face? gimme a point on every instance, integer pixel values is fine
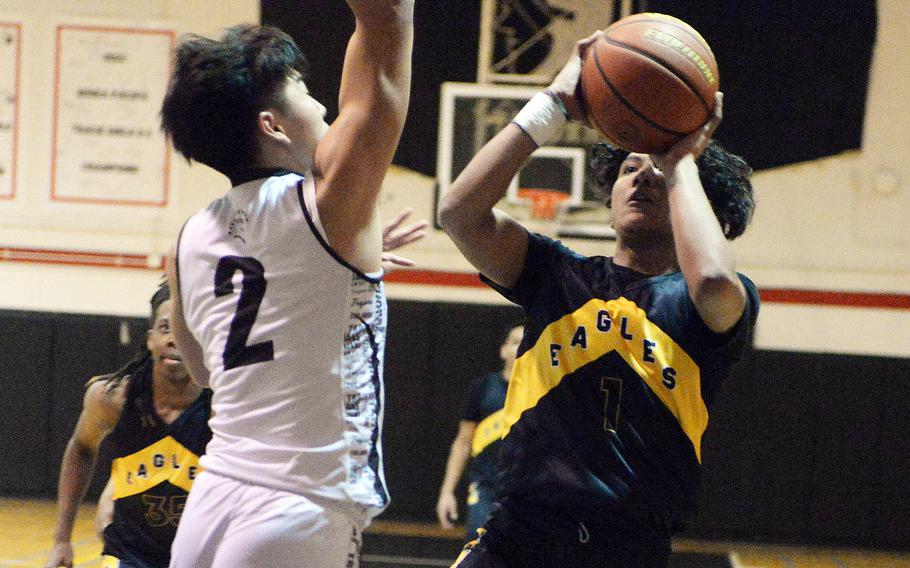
(639, 199)
(303, 120)
(509, 348)
(160, 342)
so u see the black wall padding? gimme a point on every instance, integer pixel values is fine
(808, 447)
(26, 348)
(801, 447)
(434, 352)
(45, 360)
(795, 75)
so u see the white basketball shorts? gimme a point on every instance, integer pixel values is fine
(232, 524)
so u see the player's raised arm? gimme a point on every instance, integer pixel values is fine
(704, 254)
(352, 158)
(495, 243)
(491, 240)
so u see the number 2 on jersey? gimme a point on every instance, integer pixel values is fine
(236, 352)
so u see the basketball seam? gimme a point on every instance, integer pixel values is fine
(628, 103)
(663, 64)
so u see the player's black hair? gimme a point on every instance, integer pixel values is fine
(161, 295)
(218, 88)
(724, 176)
(141, 363)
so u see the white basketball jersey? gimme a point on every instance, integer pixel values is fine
(293, 337)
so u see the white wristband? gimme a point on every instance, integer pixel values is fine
(541, 118)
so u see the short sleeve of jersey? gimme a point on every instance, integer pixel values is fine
(731, 344)
(473, 410)
(742, 331)
(544, 262)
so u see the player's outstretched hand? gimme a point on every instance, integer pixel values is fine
(695, 143)
(447, 510)
(567, 84)
(61, 555)
(394, 238)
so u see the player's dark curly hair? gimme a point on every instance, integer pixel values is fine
(218, 88)
(141, 363)
(724, 176)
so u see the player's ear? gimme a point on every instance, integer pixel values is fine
(270, 125)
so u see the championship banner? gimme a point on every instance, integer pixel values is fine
(108, 147)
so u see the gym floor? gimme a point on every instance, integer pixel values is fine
(27, 526)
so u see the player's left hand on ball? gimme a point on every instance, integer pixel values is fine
(696, 142)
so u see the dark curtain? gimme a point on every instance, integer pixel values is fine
(445, 49)
(795, 74)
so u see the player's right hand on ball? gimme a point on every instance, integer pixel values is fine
(567, 84)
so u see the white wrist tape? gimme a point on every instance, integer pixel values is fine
(541, 118)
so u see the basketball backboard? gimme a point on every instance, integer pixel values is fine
(471, 114)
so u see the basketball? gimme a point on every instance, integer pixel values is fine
(649, 80)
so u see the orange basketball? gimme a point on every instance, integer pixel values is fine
(649, 80)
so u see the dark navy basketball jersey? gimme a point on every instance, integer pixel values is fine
(153, 469)
(484, 407)
(608, 400)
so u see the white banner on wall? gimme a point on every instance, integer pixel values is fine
(107, 146)
(10, 57)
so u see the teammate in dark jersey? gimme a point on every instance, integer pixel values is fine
(478, 439)
(621, 356)
(157, 419)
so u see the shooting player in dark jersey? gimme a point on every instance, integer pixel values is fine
(478, 439)
(621, 355)
(156, 417)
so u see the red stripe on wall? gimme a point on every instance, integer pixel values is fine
(834, 298)
(452, 279)
(80, 258)
(435, 278)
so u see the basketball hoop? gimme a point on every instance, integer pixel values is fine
(544, 201)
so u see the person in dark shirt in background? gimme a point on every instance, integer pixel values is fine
(478, 439)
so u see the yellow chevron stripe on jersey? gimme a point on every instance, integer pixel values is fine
(594, 330)
(165, 460)
(488, 430)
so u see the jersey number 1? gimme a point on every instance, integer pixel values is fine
(612, 389)
(236, 352)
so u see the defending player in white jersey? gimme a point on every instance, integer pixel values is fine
(279, 300)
